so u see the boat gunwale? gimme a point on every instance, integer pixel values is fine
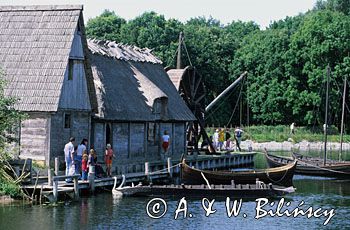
(286, 167)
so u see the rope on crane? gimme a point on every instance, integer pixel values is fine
(239, 97)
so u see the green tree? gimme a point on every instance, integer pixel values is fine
(106, 26)
(335, 5)
(262, 54)
(322, 39)
(153, 31)
(9, 118)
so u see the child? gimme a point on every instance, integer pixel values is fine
(91, 158)
(84, 165)
(108, 159)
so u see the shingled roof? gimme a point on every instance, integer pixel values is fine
(128, 80)
(35, 42)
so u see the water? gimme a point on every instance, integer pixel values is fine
(105, 211)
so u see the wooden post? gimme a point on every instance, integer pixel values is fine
(178, 61)
(326, 117)
(76, 187)
(41, 193)
(170, 169)
(92, 178)
(16, 168)
(49, 176)
(57, 165)
(146, 168)
(55, 190)
(342, 121)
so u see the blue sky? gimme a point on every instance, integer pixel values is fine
(261, 11)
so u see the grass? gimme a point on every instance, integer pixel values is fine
(281, 133)
(11, 189)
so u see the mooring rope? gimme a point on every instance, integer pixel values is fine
(276, 182)
(166, 169)
(239, 98)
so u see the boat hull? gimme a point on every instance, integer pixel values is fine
(201, 191)
(279, 176)
(313, 168)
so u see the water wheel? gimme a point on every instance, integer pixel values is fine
(191, 88)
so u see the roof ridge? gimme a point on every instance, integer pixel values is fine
(126, 52)
(40, 7)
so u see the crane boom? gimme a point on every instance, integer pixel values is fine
(225, 91)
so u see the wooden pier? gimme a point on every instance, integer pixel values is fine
(55, 186)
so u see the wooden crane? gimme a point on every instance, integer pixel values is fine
(191, 88)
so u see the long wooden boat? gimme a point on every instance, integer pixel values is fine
(249, 191)
(279, 176)
(312, 165)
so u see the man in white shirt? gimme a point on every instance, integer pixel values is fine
(238, 138)
(292, 128)
(216, 139)
(69, 156)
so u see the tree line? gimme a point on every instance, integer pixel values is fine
(286, 62)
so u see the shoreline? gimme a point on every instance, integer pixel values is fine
(6, 199)
(303, 146)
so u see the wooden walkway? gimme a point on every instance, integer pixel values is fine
(56, 185)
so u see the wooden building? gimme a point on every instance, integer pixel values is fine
(43, 53)
(137, 102)
(102, 91)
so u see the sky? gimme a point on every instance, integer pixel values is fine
(263, 12)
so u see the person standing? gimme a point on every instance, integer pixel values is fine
(69, 156)
(84, 165)
(108, 159)
(238, 138)
(216, 139)
(292, 128)
(80, 151)
(165, 143)
(228, 139)
(221, 139)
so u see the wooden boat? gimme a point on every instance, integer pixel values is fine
(249, 191)
(279, 176)
(312, 165)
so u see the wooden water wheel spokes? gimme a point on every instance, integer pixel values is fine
(191, 88)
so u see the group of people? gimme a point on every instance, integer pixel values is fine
(222, 139)
(79, 160)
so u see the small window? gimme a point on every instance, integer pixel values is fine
(70, 69)
(67, 121)
(157, 106)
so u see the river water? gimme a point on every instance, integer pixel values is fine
(105, 211)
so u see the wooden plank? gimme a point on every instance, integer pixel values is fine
(57, 178)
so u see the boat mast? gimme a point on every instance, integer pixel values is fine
(342, 121)
(326, 118)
